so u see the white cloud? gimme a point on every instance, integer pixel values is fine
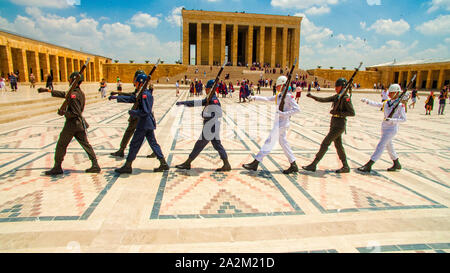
(313, 33)
(438, 4)
(175, 16)
(389, 27)
(362, 25)
(318, 10)
(116, 40)
(143, 20)
(301, 4)
(438, 26)
(44, 3)
(374, 2)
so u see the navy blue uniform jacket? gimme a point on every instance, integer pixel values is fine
(144, 112)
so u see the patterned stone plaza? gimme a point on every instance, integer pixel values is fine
(239, 211)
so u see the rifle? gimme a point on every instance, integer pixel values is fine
(287, 85)
(346, 88)
(63, 109)
(144, 86)
(398, 100)
(213, 89)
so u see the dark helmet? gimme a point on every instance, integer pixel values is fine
(341, 82)
(140, 78)
(138, 72)
(75, 74)
(210, 84)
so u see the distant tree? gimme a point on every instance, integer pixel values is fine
(331, 67)
(319, 66)
(147, 61)
(131, 61)
(344, 68)
(116, 61)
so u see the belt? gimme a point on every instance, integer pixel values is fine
(337, 116)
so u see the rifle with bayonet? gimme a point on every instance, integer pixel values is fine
(63, 109)
(144, 86)
(346, 88)
(287, 85)
(399, 99)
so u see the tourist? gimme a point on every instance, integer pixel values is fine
(177, 87)
(49, 84)
(414, 98)
(442, 100)
(32, 81)
(389, 128)
(13, 82)
(119, 85)
(429, 103)
(298, 93)
(2, 83)
(102, 88)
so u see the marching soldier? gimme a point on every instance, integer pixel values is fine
(145, 129)
(211, 129)
(280, 128)
(337, 127)
(132, 121)
(75, 126)
(389, 128)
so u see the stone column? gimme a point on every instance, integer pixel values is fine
(223, 37)
(262, 34)
(250, 45)
(441, 78)
(284, 48)
(186, 43)
(418, 80)
(234, 44)
(272, 57)
(9, 61)
(296, 46)
(37, 67)
(198, 58)
(400, 77)
(428, 86)
(23, 66)
(57, 68)
(63, 69)
(211, 44)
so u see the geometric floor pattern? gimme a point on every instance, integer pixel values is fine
(238, 211)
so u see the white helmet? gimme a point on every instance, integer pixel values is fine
(394, 88)
(281, 80)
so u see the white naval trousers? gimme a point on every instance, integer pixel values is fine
(388, 133)
(279, 131)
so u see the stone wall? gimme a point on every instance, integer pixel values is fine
(365, 78)
(126, 71)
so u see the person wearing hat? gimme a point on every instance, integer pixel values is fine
(337, 127)
(132, 121)
(211, 129)
(389, 128)
(280, 128)
(145, 129)
(75, 126)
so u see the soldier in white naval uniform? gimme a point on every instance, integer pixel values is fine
(389, 128)
(280, 127)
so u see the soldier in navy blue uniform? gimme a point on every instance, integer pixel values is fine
(211, 129)
(145, 129)
(132, 121)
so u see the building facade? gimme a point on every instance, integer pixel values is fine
(26, 56)
(211, 38)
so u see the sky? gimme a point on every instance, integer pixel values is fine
(338, 33)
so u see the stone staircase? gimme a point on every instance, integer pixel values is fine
(31, 104)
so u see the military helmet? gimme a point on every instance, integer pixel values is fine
(394, 88)
(140, 78)
(75, 74)
(281, 80)
(209, 84)
(341, 82)
(138, 72)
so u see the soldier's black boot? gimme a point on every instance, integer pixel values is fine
(395, 167)
(226, 166)
(185, 166)
(311, 167)
(55, 170)
(345, 168)
(151, 156)
(125, 168)
(251, 166)
(95, 168)
(119, 153)
(366, 168)
(163, 166)
(292, 169)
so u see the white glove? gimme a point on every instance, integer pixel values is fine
(281, 114)
(365, 100)
(252, 97)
